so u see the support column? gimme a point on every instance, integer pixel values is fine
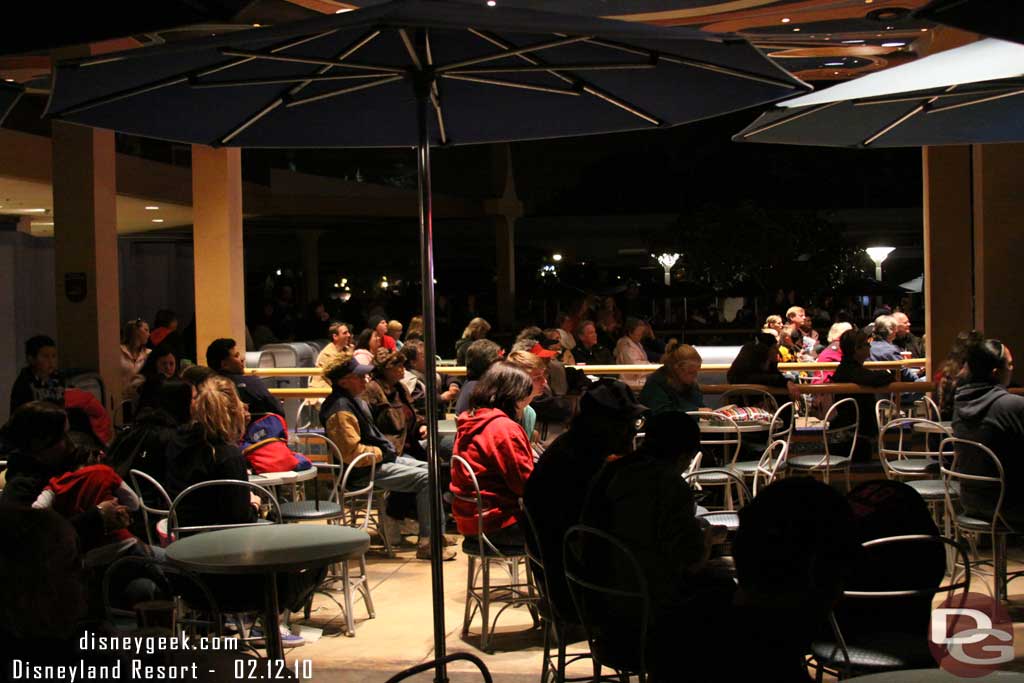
(311, 263)
(504, 210)
(998, 244)
(217, 246)
(948, 264)
(85, 253)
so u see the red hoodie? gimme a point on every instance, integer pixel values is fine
(85, 488)
(497, 449)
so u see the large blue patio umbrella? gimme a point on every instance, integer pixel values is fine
(418, 73)
(10, 93)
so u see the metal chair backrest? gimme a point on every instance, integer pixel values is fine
(477, 499)
(932, 410)
(927, 592)
(427, 666)
(335, 465)
(594, 588)
(693, 479)
(986, 459)
(731, 436)
(307, 416)
(175, 531)
(772, 461)
(781, 427)
(830, 431)
(137, 476)
(352, 500)
(904, 426)
(885, 412)
(750, 397)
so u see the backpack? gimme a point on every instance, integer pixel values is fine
(265, 445)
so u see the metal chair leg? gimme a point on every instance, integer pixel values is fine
(485, 605)
(545, 665)
(999, 566)
(347, 587)
(469, 596)
(365, 587)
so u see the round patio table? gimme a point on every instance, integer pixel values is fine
(267, 550)
(275, 479)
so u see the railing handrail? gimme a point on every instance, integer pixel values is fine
(458, 371)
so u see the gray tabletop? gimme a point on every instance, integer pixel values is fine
(933, 676)
(282, 478)
(266, 548)
(710, 427)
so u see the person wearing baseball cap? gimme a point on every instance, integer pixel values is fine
(557, 488)
(349, 424)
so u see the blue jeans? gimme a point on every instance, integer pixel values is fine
(407, 475)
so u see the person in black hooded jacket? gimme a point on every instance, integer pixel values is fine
(207, 450)
(984, 411)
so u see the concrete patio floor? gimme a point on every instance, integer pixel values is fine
(400, 635)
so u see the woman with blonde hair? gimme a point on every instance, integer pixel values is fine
(476, 329)
(673, 386)
(208, 449)
(134, 337)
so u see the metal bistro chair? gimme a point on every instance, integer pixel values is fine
(728, 518)
(731, 439)
(556, 626)
(423, 667)
(972, 525)
(350, 503)
(601, 599)
(137, 478)
(781, 428)
(192, 597)
(481, 593)
(885, 651)
(828, 462)
(904, 461)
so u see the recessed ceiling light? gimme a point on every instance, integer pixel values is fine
(923, 30)
(31, 210)
(152, 208)
(491, 3)
(9, 80)
(42, 224)
(785, 20)
(893, 44)
(836, 73)
(834, 64)
(852, 42)
(868, 2)
(158, 220)
(343, 10)
(888, 28)
(797, 30)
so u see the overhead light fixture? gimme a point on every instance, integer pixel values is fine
(878, 255)
(152, 208)
(50, 224)
(666, 261)
(343, 10)
(835, 73)
(894, 44)
(852, 42)
(158, 220)
(923, 30)
(834, 64)
(30, 211)
(9, 80)
(491, 3)
(785, 20)
(556, 257)
(796, 29)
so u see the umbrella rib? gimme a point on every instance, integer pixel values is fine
(1001, 92)
(343, 91)
(698, 64)
(991, 98)
(560, 67)
(294, 90)
(789, 119)
(577, 82)
(513, 53)
(278, 81)
(287, 46)
(310, 60)
(435, 93)
(892, 126)
(511, 84)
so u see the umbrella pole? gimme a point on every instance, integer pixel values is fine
(423, 86)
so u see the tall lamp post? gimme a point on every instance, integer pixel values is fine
(878, 255)
(666, 261)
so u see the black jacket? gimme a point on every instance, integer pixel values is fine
(595, 355)
(192, 459)
(850, 371)
(27, 388)
(990, 415)
(254, 393)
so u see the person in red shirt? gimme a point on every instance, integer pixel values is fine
(491, 440)
(84, 488)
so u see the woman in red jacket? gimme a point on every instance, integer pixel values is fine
(491, 439)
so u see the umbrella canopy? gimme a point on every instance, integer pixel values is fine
(970, 94)
(996, 18)
(349, 80)
(419, 73)
(9, 96)
(916, 285)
